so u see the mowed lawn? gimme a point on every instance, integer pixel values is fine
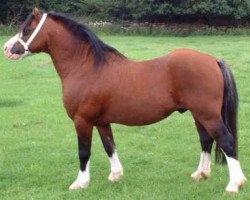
(38, 146)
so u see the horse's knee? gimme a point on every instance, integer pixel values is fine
(218, 131)
(213, 127)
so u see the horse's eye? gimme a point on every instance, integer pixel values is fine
(26, 31)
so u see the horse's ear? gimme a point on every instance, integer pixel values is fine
(37, 13)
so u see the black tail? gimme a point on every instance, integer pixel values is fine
(229, 109)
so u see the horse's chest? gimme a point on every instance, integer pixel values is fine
(81, 101)
(71, 103)
(71, 97)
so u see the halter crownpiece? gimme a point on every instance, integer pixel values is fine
(33, 35)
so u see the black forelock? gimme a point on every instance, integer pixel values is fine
(27, 21)
(83, 33)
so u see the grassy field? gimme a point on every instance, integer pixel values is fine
(38, 147)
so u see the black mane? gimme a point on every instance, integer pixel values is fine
(82, 32)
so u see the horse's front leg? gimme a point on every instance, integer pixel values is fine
(84, 134)
(109, 146)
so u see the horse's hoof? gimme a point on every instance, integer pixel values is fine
(232, 189)
(198, 176)
(233, 186)
(115, 176)
(242, 182)
(232, 193)
(78, 185)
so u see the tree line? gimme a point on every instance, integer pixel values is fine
(212, 12)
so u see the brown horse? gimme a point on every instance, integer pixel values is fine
(101, 86)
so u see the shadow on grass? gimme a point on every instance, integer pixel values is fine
(5, 103)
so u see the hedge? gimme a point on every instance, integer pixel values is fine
(212, 12)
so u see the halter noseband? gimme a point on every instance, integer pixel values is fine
(33, 35)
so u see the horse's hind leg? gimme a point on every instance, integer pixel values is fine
(217, 129)
(109, 146)
(203, 171)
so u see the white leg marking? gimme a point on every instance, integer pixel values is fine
(116, 168)
(82, 180)
(236, 175)
(203, 171)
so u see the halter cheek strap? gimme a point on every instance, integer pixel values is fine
(33, 35)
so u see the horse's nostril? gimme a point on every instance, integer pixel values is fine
(15, 50)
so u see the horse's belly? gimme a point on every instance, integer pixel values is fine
(139, 116)
(138, 121)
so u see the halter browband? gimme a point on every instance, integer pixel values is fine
(33, 35)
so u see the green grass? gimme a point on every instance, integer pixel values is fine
(38, 148)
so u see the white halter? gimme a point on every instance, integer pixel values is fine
(33, 35)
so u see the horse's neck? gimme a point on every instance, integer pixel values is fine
(67, 53)
(71, 56)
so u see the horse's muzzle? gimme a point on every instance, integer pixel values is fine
(10, 50)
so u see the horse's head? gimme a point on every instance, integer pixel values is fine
(31, 39)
